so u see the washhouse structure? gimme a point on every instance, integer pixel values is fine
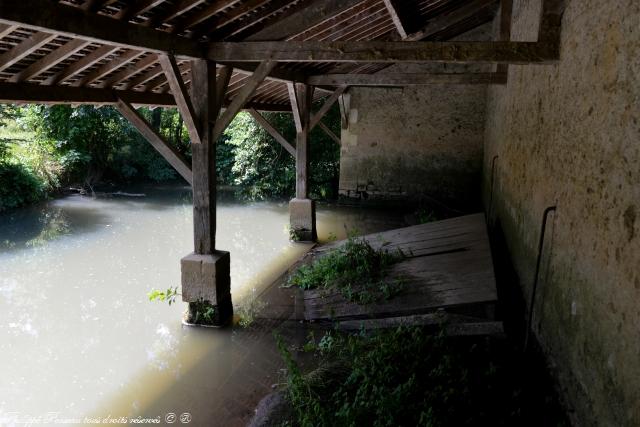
(514, 105)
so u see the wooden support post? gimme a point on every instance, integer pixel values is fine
(180, 93)
(167, 151)
(302, 209)
(506, 11)
(206, 272)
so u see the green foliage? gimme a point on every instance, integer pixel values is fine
(18, 186)
(389, 378)
(169, 295)
(264, 168)
(202, 313)
(356, 270)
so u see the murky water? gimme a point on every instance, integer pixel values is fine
(78, 336)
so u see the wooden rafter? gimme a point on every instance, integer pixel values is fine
(398, 18)
(165, 149)
(50, 60)
(314, 14)
(25, 48)
(73, 22)
(179, 8)
(129, 71)
(180, 93)
(202, 15)
(108, 67)
(136, 9)
(232, 16)
(81, 65)
(262, 121)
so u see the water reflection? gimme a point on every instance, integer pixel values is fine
(77, 333)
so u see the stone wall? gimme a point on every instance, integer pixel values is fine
(569, 135)
(416, 142)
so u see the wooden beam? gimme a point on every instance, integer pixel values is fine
(150, 74)
(222, 83)
(272, 131)
(129, 71)
(329, 132)
(108, 67)
(385, 52)
(295, 108)
(203, 74)
(444, 21)
(181, 7)
(205, 13)
(138, 8)
(73, 22)
(326, 106)
(304, 96)
(165, 149)
(34, 93)
(405, 79)
(345, 106)
(24, 48)
(180, 93)
(310, 16)
(5, 30)
(396, 17)
(506, 11)
(239, 101)
(81, 64)
(231, 16)
(50, 60)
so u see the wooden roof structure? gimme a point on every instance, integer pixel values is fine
(99, 51)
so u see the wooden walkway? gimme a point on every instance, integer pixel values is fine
(448, 271)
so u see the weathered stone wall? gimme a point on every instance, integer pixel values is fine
(408, 143)
(569, 135)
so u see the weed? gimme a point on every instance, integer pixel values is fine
(356, 270)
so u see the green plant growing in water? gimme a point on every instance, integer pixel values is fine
(199, 312)
(356, 270)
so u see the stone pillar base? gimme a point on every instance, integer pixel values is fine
(302, 215)
(207, 279)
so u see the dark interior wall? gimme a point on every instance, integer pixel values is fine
(569, 135)
(417, 142)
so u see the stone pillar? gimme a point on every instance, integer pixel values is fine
(205, 272)
(302, 210)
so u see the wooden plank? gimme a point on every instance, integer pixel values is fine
(82, 64)
(326, 106)
(461, 275)
(181, 7)
(50, 60)
(75, 23)
(5, 30)
(385, 52)
(312, 15)
(34, 93)
(272, 131)
(25, 48)
(205, 13)
(329, 132)
(239, 101)
(156, 140)
(109, 67)
(138, 8)
(203, 74)
(143, 78)
(180, 93)
(406, 79)
(233, 15)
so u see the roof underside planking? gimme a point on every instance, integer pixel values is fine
(80, 51)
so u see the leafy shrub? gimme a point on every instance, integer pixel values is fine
(18, 186)
(356, 270)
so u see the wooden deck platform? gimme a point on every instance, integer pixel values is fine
(448, 270)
